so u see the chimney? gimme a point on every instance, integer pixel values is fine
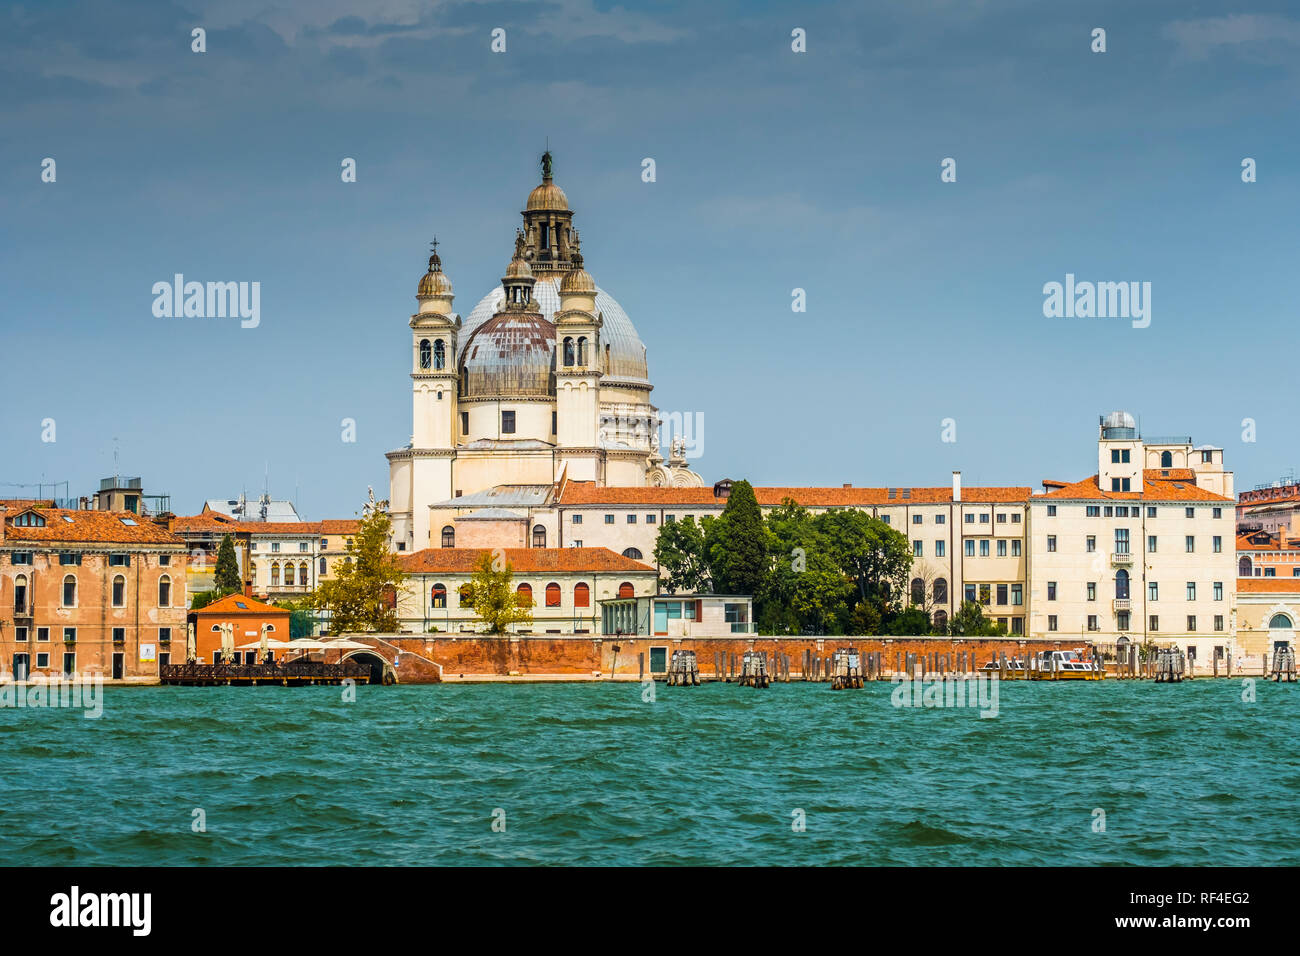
(956, 486)
(848, 484)
(4, 509)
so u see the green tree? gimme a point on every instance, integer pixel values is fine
(821, 595)
(302, 619)
(682, 558)
(873, 554)
(969, 621)
(912, 622)
(737, 544)
(203, 599)
(227, 579)
(492, 594)
(361, 595)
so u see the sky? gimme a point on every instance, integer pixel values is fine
(775, 170)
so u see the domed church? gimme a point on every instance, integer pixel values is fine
(545, 381)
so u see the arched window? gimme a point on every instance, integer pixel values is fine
(582, 350)
(625, 590)
(70, 591)
(918, 591)
(288, 574)
(165, 591)
(439, 595)
(539, 536)
(1243, 568)
(940, 591)
(1166, 459)
(302, 573)
(466, 596)
(449, 537)
(940, 620)
(323, 569)
(525, 595)
(568, 351)
(552, 595)
(633, 553)
(20, 594)
(1121, 584)
(275, 573)
(439, 354)
(426, 354)
(119, 591)
(581, 596)
(1280, 622)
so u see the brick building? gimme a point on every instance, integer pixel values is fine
(89, 592)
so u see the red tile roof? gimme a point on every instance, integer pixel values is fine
(89, 527)
(521, 560)
(229, 605)
(212, 521)
(588, 493)
(13, 503)
(1269, 542)
(1268, 585)
(1154, 488)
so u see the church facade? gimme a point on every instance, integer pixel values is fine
(545, 381)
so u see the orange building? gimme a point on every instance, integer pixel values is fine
(89, 592)
(246, 615)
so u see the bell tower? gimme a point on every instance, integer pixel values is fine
(578, 371)
(435, 351)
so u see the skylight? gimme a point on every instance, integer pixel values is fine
(128, 521)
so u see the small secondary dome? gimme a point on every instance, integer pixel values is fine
(577, 280)
(1119, 420)
(434, 282)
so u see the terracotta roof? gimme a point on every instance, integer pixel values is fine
(588, 493)
(229, 605)
(88, 527)
(1268, 585)
(521, 560)
(12, 503)
(216, 522)
(340, 526)
(1270, 542)
(1154, 488)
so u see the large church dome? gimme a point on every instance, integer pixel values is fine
(511, 355)
(627, 361)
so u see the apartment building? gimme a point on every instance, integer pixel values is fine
(1144, 550)
(89, 592)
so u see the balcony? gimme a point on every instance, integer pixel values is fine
(23, 610)
(1121, 604)
(1121, 559)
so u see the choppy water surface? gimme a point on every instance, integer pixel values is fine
(591, 774)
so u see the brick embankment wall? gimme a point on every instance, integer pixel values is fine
(583, 657)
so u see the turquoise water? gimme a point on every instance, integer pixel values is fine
(591, 774)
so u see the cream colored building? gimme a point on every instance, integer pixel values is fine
(563, 585)
(1144, 550)
(545, 379)
(1268, 613)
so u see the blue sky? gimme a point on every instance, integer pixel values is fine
(775, 170)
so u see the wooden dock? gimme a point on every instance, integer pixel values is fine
(295, 673)
(1283, 665)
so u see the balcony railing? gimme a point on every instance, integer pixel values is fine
(1121, 604)
(1121, 559)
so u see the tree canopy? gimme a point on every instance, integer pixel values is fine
(361, 596)
(837, 572)
(226, 578)
(493, 596)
